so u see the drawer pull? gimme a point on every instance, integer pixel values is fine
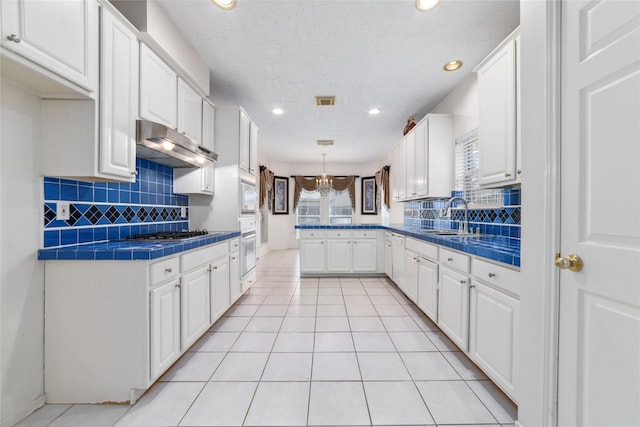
(178, 285)
(463, 282)
(168, 270)
(491, 275)
(14, 38)
(449, 259)
(472, 286)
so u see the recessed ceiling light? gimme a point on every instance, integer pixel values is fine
(277, 111)
(374, 111)
(453, 65)
(225, 4)
(424, 5)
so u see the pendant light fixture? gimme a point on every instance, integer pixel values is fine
(324, 184)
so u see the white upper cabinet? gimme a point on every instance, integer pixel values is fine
(398, 170)
(60, 36)
(118, 97)
(410, 164)
(189, 112)
(158, 89)
(208, 125)
(253, 149)
(498, 106)
(236, 139)
(245, 141)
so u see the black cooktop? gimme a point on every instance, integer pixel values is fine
(170, 235)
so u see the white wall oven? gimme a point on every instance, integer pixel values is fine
(248, 246)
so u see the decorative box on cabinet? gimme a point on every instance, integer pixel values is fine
(91, 140)
(56, 37)
(499, 127)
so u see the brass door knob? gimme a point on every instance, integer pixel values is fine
(571, 262)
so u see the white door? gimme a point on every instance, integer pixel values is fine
(245, 141)
(410, 283)
(208, 125)
(253, 149)
(599, 346)
(195, 311)
(234, 278)
(388, 258)
(311, 255)
(158, 89)
(118, 98)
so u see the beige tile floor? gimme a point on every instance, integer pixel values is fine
(310, 352)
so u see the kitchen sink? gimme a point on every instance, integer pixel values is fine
(439, 232)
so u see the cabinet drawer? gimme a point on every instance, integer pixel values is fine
(164, 270)
(425, 249)
(497, 276)
(365, 234)
(455, 260)
(312, 234)
(338, 234)
(203, 256)
(234, 245)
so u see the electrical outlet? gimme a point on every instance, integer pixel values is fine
(183, 212)
(62, 211)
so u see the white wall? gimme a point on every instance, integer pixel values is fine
(21, 274)
(282, 234)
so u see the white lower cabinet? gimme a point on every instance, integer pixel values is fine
(220, 288)
(428, 287)
(410, 285)
(338, 255)
(388, 255)
(364, 258)
(234, 277)
(453, 306)
(312, 255)
(164, 327)
(195, 310)
(493, 337)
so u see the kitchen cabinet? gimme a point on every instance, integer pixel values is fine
(398, 259)
(165, 327)
(398, 173)
(453, 306)
(312, 251)
(244, 135)
(189, 112)
(158, 89)
(428, 288)
(421, 275)
(364, 251)
(498, 83)
(410, 288)
(194, 180)
(338, 253)
(253, 149)
(388, 256)
(235, 286)
(195, 309)
(137, 316)
(61, 37)
(220, 288)
(208, 125)
(91, 139)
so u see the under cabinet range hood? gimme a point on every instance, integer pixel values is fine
(163, 145)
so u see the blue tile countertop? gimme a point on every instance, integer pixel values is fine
(129, 250)
(497, 248)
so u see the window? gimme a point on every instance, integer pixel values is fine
(333, 209)
(467, 171)
(340, 209)
(308, 209)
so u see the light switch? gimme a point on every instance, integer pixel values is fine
(62, 211)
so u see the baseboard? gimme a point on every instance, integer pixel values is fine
(21, 413)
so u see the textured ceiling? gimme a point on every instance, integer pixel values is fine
(368, 53)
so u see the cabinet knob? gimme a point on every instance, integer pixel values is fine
(463, 282)
(215, 268)
(134, 173)
(14, 38)
(492, 275)
(168, 270)
(178, 285)
(233, 258)
(322, 243)
(449, 259)
(519, 172)
(507, 175)
(472, 286)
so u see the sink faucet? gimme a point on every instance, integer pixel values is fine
(465, 224)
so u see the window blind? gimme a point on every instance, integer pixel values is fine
(467, 175)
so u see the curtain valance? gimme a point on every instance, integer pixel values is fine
(339, 184)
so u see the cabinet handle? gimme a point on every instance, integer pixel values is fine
(168, 270)
(463, 282)
(491, 275)
(507, 175)
(322, 242)
(14, 38)
(233, 258)
(215, 268)
(178, 285)
(449, 259)
(519, 172)
(472, 286)
(134, 173)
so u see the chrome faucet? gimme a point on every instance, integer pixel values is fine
(465, 224)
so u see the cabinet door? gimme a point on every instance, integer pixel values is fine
(165, 327)
(428, 288)
(208, 177)
(61, 36)
(158, 89)
(311, 255)
(410, 285)
(518, 113)
(189, 112)
(338, 255)
(398, 261)
(410, 168)
(253, 149)
(364, 255)
(118, 98)
(388, 259)
(453, 306)
(195, 310)
(220, 297)
(398, 170)
(245, 141)
(497, 133)
(208, 125)
(421, 168)
(234, 277)
(493, 335)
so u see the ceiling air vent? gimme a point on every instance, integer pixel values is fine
(325, 142)
(325, 100)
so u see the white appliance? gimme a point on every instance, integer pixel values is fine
(248, 246)
(248, 199)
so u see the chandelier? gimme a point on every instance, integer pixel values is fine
(324, 184)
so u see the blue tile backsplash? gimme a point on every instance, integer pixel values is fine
(497, 221)
(113, 211)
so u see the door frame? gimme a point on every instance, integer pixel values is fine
(541, 126)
